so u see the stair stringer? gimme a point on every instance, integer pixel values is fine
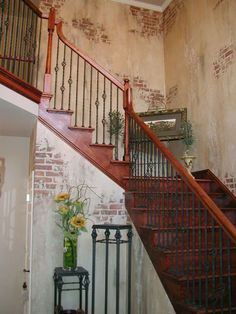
(81, 140)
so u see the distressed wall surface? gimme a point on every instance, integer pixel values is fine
(200, 68)
(125, 40)
(56, 166)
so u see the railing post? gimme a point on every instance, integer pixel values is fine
(48, 76)
(127, 105)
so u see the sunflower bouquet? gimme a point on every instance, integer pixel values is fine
(71, 208)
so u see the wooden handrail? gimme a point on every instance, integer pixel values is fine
(33, 7)
(93, 63)
(215, 211)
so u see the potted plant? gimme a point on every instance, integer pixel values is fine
(187, 140)
(71, 207)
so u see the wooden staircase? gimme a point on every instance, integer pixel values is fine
(187, 225)
(80, 138)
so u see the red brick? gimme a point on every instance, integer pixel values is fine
(43, 167)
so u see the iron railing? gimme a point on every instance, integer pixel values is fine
(95, 97)
(20, 39)
(184, 224)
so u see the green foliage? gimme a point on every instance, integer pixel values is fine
(115, 123)
(71, 207)
(187, 132)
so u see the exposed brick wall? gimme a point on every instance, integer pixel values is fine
(171, 95)
(111, 212)
(149, 23)
(152, 97)
(51, 174)
(49, 168)
(230, 181)
(223, 60)
(170, 15)
(93, 31)
(45, 5)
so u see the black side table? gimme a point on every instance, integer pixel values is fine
(81, 284)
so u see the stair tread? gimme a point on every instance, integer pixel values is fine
(60, 111)
(178, 209)
(102, 145)
(190, 250)
(184, 277)
(197, 227)
(202, 310)
(80, 128)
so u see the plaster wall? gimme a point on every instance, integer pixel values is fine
(200, 69)
(125, 40)
(14, 151)
(56, 166)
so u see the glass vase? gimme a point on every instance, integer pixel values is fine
(70, 253)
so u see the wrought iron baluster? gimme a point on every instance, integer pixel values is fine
(6, 24)
(34, 47)
(110, 113)
(193, 250)
(222, 287)
(77, 91)
(62, 88)
(16, 36)
(90, 97)
(181, 228)
(104, 96)
(229, 282)
(11, 39)
(200, 253)
(206, 270)
(56, 74)
(30, 47)
(38, 54)
(2, 6)
(117, 126)
(25, 43)
(97, 107)
(84, 89)
(213, 256)
(21, 41)
(189, 213)
(70, 81)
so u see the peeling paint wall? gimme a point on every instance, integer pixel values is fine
(200, 69)
(125, 40)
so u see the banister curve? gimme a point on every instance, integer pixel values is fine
(215, 211)
(93, 63)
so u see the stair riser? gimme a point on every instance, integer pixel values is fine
(147, 185)
(174, 218)
(200, 290)
(187, 262)
(188, 239)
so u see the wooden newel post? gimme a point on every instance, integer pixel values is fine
(127, 104)
(47, 76)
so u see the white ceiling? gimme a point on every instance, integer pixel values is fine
(157, 5)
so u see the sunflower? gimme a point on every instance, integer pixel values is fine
(63, 210)
(78, 221)
(62, 197)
